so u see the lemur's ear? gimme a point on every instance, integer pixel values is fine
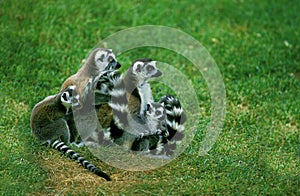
(100, 55)
(137, 67)
(153, 63)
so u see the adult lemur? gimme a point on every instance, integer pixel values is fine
(130, 95)
(87, 76)
(100, 61)
(136, 90)
(52, 123)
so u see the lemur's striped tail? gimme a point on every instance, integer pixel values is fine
(175, 120)
(62, 147)
(119, 103)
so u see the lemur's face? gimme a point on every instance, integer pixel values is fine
(105, 59)
(145, 69)
(156, 111)
(69, 98)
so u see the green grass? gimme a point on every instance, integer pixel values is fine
(254, 43)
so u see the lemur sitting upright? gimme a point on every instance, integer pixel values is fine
(134, 81)
(51, 123)
(87, 76)
(138, 89)
(99, 62)
(131, 94)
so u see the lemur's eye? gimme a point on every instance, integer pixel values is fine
(110, 59)
(158, 113)
(150, 68)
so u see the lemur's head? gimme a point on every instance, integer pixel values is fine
(144, 69)
(156, 111)
(104, 59)
(69, 98)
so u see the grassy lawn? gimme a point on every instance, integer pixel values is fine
(254, 43)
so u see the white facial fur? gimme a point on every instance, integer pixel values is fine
(137, 67)
(144, 71)
(68, 98)
(153, 63)
(155, 112)
(103, 58)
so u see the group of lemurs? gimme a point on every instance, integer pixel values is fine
(126, 111)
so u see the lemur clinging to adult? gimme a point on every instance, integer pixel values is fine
(164, 142)
(83, 84)
(87, 76)
(51, 123)
(156, 116)
(153, 118)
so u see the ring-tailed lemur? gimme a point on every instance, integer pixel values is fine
(156, 116)
(162, 141)
(87, 76)
(132, 92)
(50, 124)
(168, 129)
(136, 121)
(154, 123)
(138, 90)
